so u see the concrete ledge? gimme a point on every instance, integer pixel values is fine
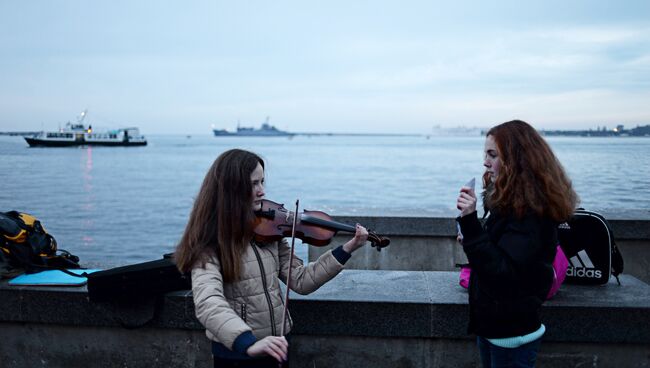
(625, 224)
(421, 243)
(432, 304)
(367, 318)
(71, 306)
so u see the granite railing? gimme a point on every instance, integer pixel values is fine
(429, 243)
(362, 318)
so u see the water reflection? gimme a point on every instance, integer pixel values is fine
(88, 198)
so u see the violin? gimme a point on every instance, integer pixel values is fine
(274, 222)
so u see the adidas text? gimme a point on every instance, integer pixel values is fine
(584, 272)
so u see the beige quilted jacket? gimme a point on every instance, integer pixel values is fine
(255, 302)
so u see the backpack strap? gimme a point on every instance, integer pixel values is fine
(617, 262)
(45, 268)
(31, 267)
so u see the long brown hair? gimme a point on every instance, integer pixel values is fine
(222, 216)
(530, 178)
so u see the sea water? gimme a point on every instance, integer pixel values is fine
(120, 205)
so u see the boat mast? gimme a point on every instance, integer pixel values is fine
(82, 116)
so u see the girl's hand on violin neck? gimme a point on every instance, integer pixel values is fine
(274, 346)
(466, 201)
(359, 239)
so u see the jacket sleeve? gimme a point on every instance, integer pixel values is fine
(517, 247)
(307, 279)
(211, 306)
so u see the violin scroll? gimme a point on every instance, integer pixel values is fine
(377, 241)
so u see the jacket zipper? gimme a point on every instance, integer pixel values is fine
(243, 312)
(266, 291)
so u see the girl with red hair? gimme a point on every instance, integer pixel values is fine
(526, 194)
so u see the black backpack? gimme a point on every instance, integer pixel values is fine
(588, 242)
(25, 246)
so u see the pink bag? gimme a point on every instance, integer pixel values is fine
(560, 265)
(465, 272)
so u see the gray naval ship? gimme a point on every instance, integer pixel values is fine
(266, 130)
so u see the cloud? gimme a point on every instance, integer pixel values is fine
(592, 35)
(311, 67)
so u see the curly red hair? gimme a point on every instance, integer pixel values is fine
(530, 178)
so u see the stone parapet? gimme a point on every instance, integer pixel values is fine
(420, 243)
(361, 318)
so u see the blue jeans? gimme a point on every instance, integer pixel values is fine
(493, 356)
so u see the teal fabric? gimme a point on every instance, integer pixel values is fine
(517, 341)
(51, 278)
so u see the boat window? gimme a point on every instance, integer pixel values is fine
(58, 135)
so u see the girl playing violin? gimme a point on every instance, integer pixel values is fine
(235, 279)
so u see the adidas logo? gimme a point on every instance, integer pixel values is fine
(564, 226)
(581, 266)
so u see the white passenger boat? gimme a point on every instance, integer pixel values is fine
(78, 134)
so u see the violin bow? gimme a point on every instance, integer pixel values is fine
(293, 243)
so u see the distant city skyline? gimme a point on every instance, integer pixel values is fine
(344, 67)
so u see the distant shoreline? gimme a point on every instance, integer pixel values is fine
(639, 131)
(619, 131)
(361, 134)
(19, 133)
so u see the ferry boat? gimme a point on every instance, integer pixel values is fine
(266, 130)
(78, 134)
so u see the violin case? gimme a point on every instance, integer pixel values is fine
(137, 281)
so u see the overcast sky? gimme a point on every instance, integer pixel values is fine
(335, 66)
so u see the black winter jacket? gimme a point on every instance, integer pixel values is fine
(512, 271)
